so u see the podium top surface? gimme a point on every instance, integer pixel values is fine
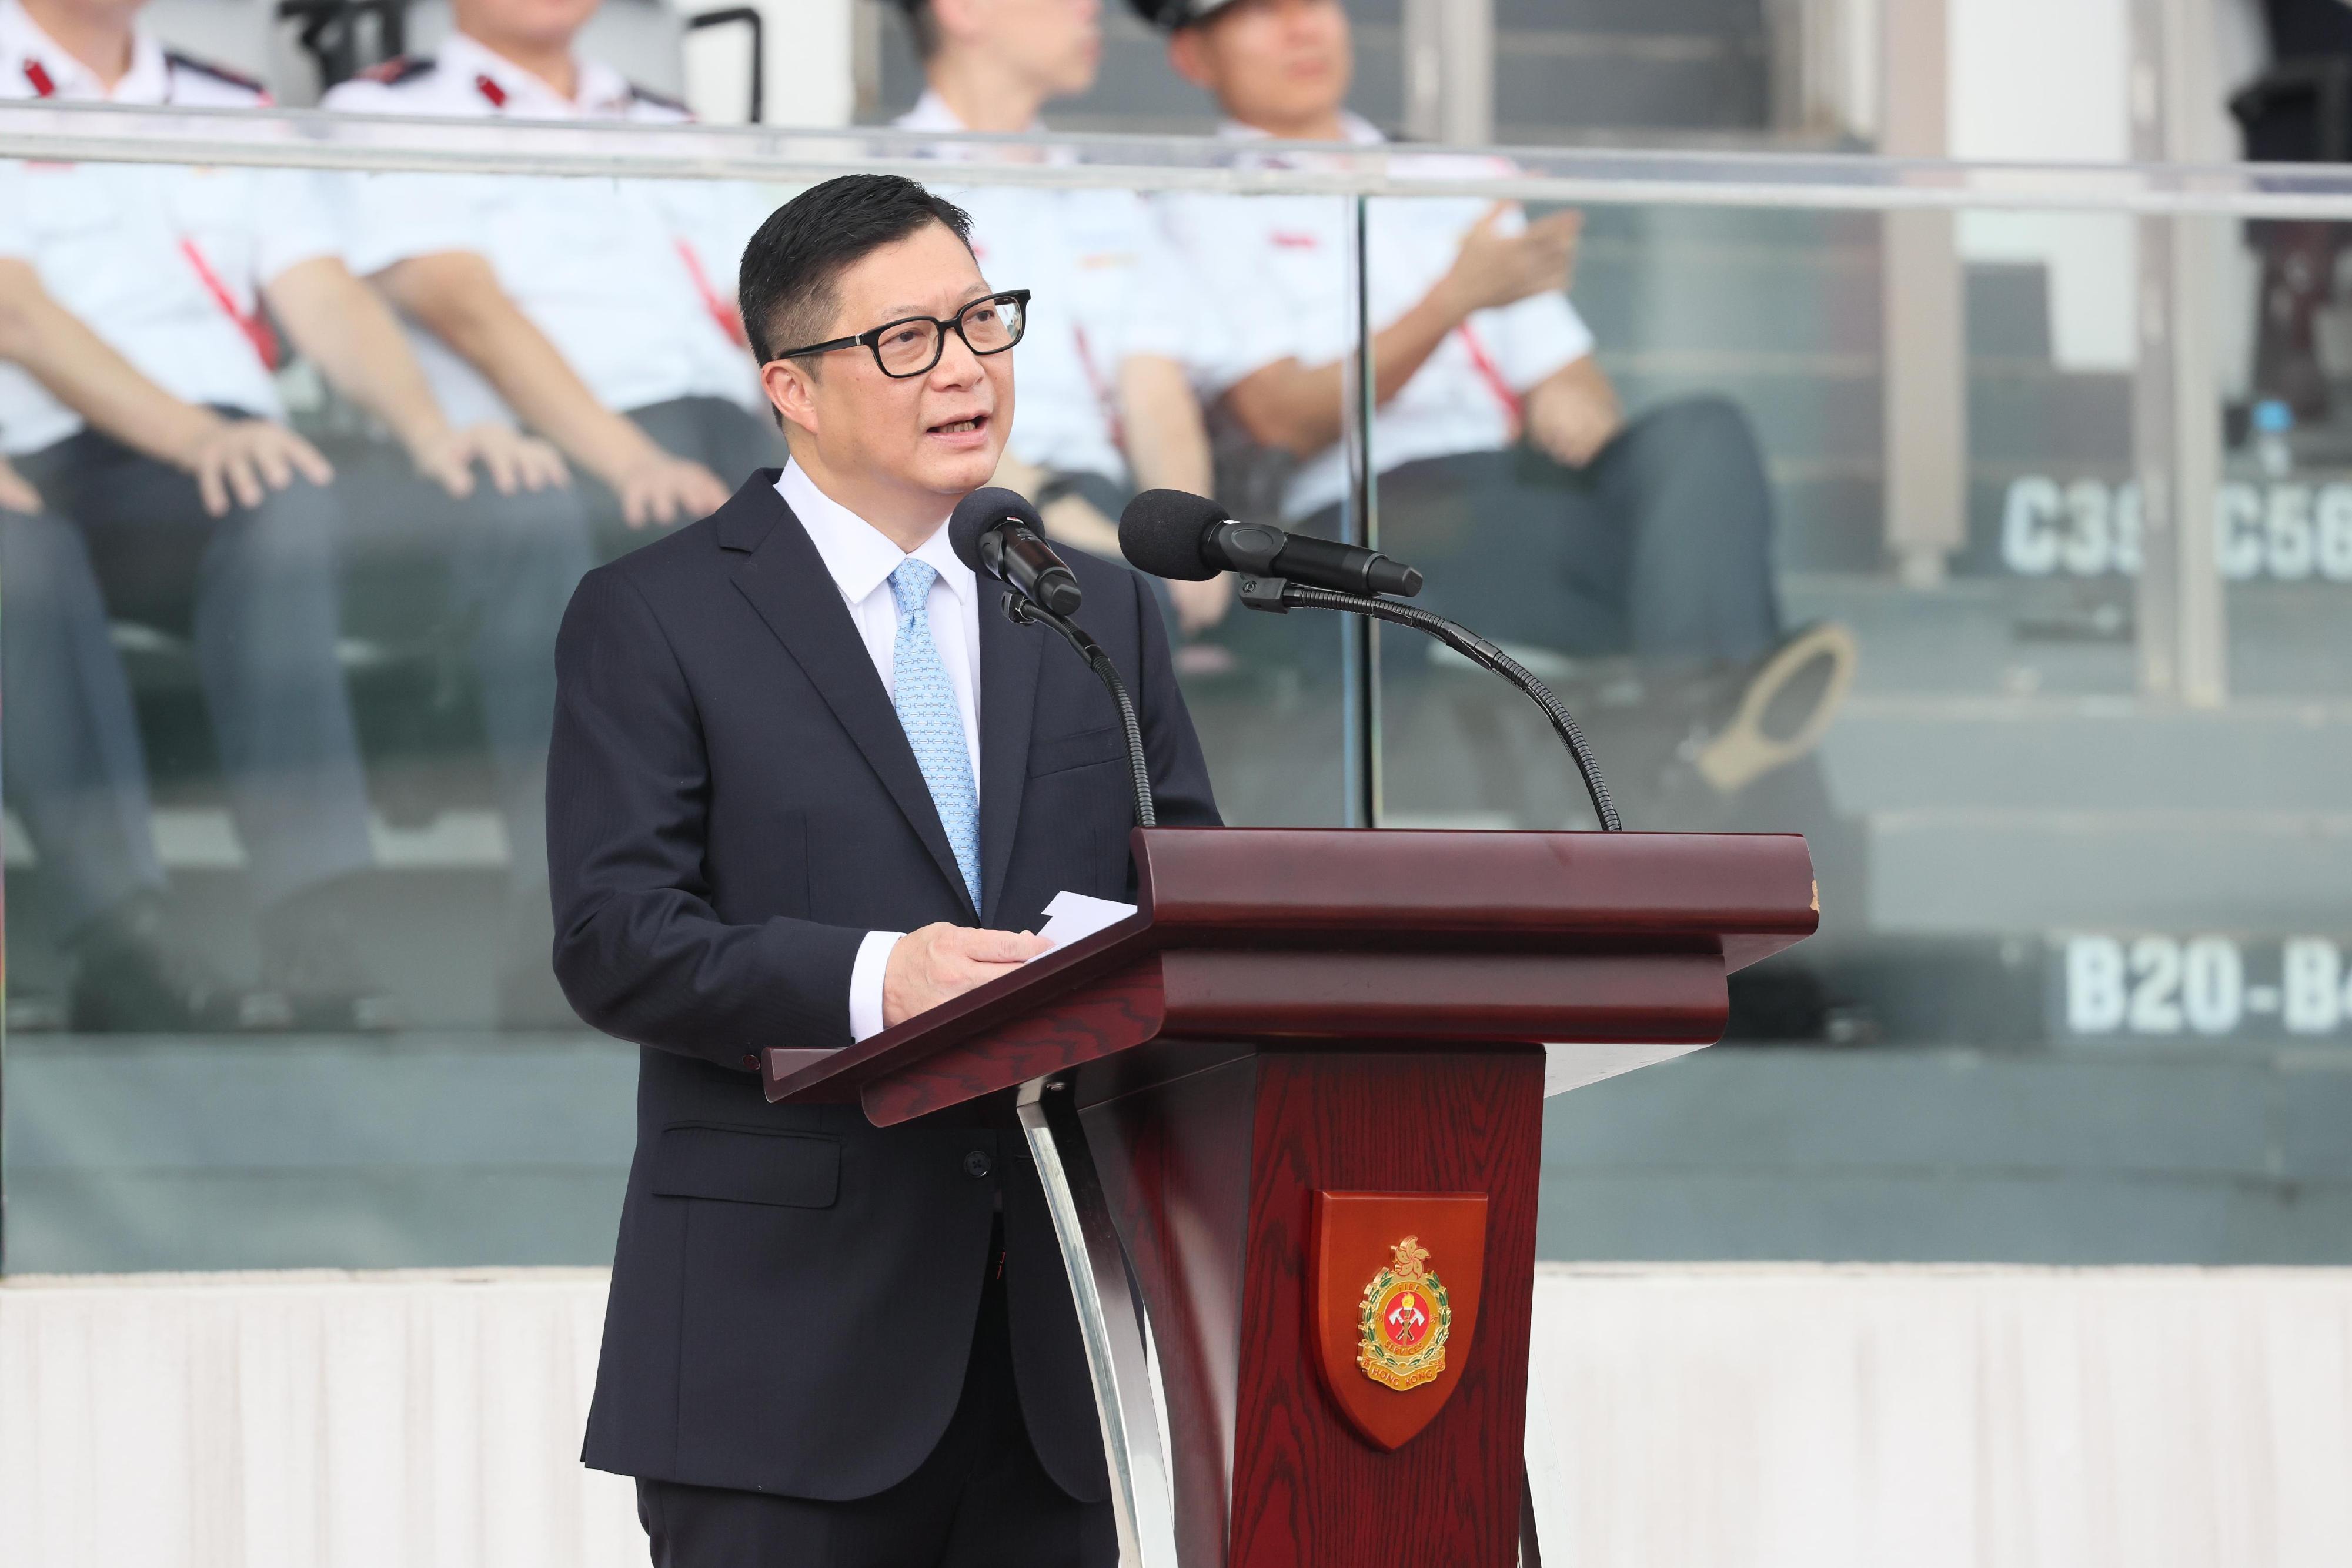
(1731, 898)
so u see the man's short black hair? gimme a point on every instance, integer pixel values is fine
(923, 24)
(786, 290)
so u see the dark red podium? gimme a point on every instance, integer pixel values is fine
(1299, 1096)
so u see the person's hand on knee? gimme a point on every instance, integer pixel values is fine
(241, 461)
(661, 489)
(514, 462)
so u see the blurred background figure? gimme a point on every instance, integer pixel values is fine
(144, 307)
(1106, 409)
(2299, 110)
(601, 312)
(1508, 470)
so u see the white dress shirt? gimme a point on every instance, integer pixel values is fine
(861, 559)
(1278, 267)
(164, 261)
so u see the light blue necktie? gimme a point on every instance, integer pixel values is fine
(928, 712)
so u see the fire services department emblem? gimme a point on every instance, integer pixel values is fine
(1391, 1353)
(1406, 1320)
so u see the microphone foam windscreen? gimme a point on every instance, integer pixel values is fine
(1160, 533)
(982, 510)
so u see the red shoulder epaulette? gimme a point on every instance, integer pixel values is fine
(398, 69)
(646, 94)
(178, 62)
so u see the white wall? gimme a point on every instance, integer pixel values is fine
(808, 63)
(2047, 81)
(1705, 1416)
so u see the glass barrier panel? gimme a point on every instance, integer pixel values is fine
(278, 660)
(1873, 439)
(1829, 522)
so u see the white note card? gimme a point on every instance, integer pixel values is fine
(1074, 917)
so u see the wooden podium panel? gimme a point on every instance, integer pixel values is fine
(1213, 1182)
(1292, 1014)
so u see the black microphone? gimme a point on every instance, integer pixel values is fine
(998, 534)
(1174, 533)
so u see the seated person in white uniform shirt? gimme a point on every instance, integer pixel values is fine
(1106, 407)
(76, 777)
(138, 400)
(1506, 471)
(602, 312)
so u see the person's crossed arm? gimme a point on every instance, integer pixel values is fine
(1296, 407)
(456, 296)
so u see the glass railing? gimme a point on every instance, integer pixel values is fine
(1832, 493)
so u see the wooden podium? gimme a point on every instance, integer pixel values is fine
(1297, 1101)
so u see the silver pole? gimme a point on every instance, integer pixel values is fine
(1449, 71)
(2183, 626)
(1111, 1323)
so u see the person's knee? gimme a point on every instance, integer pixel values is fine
(1702, 450)
(295, 530)
(540, 535)
(41, 557)
(1709, 425)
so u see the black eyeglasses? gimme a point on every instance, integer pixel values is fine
(912, 346)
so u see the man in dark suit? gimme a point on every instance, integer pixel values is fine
(784, 735)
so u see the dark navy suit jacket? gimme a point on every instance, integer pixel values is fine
(731, 807)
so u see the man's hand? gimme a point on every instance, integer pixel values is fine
(661, 489)
(515, 462)
(928, 966)
(1494, 269)
(17, 492)
(1573, 413)
(1201, 605)
(247, 458)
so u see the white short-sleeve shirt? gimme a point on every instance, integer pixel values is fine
(164, 262)
(634, 281)
(1278, 267)
(1105, 288)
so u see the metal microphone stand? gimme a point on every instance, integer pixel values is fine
(1025, 611)
(1278, 595)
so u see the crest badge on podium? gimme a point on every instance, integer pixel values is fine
(1394, 1297)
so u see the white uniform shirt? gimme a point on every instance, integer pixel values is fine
(1277, 267)
(861, 559)
(1106, 288)
(164, 262)
(632, 280)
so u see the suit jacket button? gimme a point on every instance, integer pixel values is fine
(750, 1062)
(977, 1164)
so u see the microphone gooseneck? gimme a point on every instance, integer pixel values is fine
(1471, 647)
(1174, 533)
(1028, 611)
(998, 534)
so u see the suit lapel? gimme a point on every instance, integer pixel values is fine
(786, 582)
(1008, 704)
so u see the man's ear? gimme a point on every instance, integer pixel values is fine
(1188, 57)
(792, 390)
(955, 19)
